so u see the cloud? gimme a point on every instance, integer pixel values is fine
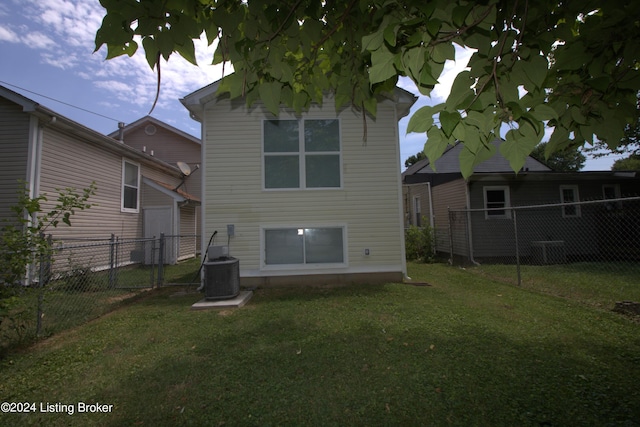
(37, 40)
(7, 35)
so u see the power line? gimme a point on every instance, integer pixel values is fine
(61, 102)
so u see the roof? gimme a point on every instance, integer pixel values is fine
(195, 101)
(174, 192)
(87, 135)
(449, 162)
(149, 119)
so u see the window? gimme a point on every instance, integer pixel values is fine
(611, 191)
(301, 154)
(130, 186)
(569, 194)
(496, 199)
(416, 211)
(286, 246)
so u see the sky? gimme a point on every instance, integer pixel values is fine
(46, 54)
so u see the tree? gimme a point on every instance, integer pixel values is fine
(412, 160)
(631, 163)
(567, 160)
(629, 144)
(573, 66)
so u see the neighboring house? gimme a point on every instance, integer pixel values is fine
(303, 199)
(171, 145)
(419, 179)
(494, 185)
(137, 194)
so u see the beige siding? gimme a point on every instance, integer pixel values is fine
(368, 205)
(14, 146)
(87, 163)
(171, 148)
(421, 191)
(450, 195)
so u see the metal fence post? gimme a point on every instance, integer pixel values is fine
(515, 231)
(112, 261)
(43, 279)
(161, 260)
(450, 237)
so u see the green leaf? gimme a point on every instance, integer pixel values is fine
(422, 119)
(460, 90)
(449, 121)
(270, 96)
(536, 70)
(543, 112)
(188, 51)
(435, 145)
(382, 67)
(518, 144)
(150, 51)
(443, 51)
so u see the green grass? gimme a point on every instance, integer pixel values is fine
(591, 283)
(465, 351)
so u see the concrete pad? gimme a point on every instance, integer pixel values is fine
(237, 302)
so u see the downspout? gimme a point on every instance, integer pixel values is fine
(470, 237)
(431, 223)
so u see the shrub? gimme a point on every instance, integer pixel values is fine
(419, 244)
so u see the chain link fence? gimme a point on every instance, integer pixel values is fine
(601, 236)
(85, 278)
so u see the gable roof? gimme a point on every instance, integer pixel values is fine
(152, 120)
(195, 101)
(449, 162)
(64, 124)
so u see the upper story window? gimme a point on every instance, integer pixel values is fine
(130, 186)
(496, 199)
(302, 154)
(569, 194)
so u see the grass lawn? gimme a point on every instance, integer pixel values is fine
(465, 351)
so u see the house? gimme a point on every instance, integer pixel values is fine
(303, 199)
(137, 193)
(419, 179)
(172, 145)
(488, 228)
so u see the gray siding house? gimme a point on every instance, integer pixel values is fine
(488, 231)
(301, 199)
(136, 193)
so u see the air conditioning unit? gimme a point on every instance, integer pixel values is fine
(221, 278)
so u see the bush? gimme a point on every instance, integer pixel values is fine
(419, 244)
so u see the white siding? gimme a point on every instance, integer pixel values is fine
(368, 204)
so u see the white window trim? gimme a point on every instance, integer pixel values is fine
(576, 195)
(302, 155)
(122, 186)
(306, 267)
(507, 201)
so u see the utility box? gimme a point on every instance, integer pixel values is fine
(548, 252)
(221, 278)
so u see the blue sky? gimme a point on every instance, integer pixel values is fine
(47, 55)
